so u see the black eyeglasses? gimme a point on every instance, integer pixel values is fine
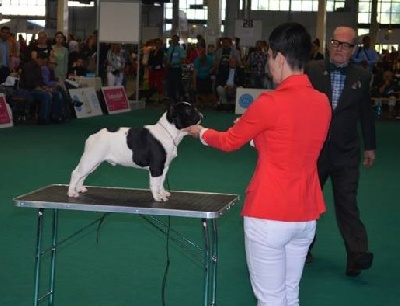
(345, 45)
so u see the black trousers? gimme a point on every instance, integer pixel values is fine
(344, 180)
(174, 84)
(4, 73)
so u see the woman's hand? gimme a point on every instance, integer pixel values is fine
(193, 130)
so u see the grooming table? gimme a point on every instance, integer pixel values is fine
(207, 207)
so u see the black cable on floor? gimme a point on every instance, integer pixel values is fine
(164, 282)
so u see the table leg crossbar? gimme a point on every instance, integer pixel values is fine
(189, 247)
(209, 261)
(52, 249)
(210, 258)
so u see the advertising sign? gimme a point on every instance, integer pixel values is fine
(5, 113)
(116, 99)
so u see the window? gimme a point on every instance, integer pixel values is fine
(30, 7)
(304, 5)
(194, 9)
(24, 7)
(335, 5)
(77, 3)
(388, 12)
(196, 12)
(294, 5)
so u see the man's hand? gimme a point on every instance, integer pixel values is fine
(369, 158)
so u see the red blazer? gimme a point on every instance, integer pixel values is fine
(288, 126)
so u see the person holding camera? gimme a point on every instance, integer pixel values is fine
(115, 66)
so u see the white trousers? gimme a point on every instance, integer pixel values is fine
(114, 80)
(224, 95)
(275, 253)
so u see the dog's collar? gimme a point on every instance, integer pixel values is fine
(168, 132)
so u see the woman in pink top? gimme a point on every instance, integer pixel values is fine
(284, 198)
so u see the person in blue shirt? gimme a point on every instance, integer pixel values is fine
(201, 81)
(174, 61)
(366, 55)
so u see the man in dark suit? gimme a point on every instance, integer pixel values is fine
(226, 83)
(347, 87)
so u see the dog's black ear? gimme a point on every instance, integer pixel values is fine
(171, 114)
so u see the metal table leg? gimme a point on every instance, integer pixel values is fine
(206, 261)
(38, 256)
(53, 257)
(210, 261)
(214, 261)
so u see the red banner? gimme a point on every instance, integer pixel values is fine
(5, 117)
(115, 99)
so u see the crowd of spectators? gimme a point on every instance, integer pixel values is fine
(40, 68)
(206, 74)
(385, 69)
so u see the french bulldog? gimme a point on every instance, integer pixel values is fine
(151, 147)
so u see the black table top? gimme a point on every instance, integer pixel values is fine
(129, 200)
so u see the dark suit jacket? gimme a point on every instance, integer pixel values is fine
(342, 145)
(239, 78)
(31, 75)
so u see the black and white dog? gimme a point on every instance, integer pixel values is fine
(151, 147)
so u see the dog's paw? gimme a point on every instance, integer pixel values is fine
(82, 189)
(73, 194)
(162, 196)
(157, 198)
(165, 193)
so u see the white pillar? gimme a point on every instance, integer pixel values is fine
(321, 24)
(62, 16)
(246, 9)
(214, 21)
(175, 17)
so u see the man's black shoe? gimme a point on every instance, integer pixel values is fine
(364, 260)
(357, 262)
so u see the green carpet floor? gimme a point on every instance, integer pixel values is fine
(126, 265)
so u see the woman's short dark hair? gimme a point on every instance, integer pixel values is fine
(293, 41)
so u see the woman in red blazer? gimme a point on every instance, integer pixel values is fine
(284, 198)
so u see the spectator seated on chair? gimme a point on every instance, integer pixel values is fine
(201, 80)
(61, 101)
(21, 105)
(227, 82)
(19, 100)
(32, 81)
(78, 67)
(387, 88)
